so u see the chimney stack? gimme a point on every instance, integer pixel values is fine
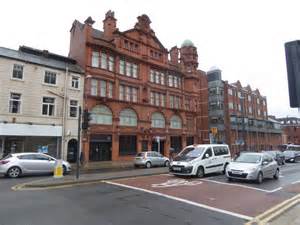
(109, 24)
(174, 55)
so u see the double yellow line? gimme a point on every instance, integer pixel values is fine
(275, 211)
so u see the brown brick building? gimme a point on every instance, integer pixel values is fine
(137, 90)
(240, 116)
(291, 130)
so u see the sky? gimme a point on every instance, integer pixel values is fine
(245, 39)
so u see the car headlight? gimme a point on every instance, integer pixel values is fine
(251, 170)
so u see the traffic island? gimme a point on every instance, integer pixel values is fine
(69, 181)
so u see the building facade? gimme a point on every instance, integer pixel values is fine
(39, 98)
(291, 130)
(139, 99)
(239, 117)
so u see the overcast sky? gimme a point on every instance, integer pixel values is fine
(245, 39)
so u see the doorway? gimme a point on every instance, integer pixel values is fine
(72, 151)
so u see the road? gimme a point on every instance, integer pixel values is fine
(146, 200)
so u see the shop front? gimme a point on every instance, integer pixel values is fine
(100, 147)
(18, 138)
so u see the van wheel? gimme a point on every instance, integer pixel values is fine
(200, 172)
(224, 170)
(260, 178)
(276, 175)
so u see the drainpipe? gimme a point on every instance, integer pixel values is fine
(65, 97)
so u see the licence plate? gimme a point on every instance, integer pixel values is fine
(236, 172)
(176, 168)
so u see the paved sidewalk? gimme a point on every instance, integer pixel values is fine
(290, 217)
(85, 178)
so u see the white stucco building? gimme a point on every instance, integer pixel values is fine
(40, 93)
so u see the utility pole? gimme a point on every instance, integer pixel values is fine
(78, 143)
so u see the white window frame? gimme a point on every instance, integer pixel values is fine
(78, 82)
(73, 106)
(94, 87)
(48, 104)
(22, 71)
(50, 73)
(95, 59)
(11, 100)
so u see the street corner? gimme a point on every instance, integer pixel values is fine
(239, 200)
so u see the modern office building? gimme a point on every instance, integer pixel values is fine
(239, 117)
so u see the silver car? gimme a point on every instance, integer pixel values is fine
(253, 166)
(15, 165)
(149, 159)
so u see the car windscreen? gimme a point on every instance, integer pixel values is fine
(248, 158)
(190, 153)
(289, 153)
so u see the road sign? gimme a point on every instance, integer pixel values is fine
(214, 130)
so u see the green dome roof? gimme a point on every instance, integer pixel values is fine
(187, 43)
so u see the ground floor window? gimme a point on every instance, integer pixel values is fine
(47, 145)
(176, 143)
(127, 145)
(161, 147)
(144, 146)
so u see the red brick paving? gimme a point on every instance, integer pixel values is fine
(231, 198)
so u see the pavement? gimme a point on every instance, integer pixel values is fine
(290, 217)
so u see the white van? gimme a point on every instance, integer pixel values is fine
(198, 160)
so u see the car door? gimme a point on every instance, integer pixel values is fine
(151, 158)
(44, 163)
(267, 166)
(207, 160)
(27, 163)
(160, 159)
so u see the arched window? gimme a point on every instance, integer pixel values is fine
(101, 114)
(128, 118)
(157, 120)
(176, 122)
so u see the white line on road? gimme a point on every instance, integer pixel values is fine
(244, 186)
(296, 182)
(184, 201)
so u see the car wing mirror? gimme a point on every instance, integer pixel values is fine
(206, 155)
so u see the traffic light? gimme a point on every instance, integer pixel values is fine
(86, 119)
(292, 52)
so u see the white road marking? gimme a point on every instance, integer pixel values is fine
(296, 182)
(176, 183)
(184, 201)
(244, 186)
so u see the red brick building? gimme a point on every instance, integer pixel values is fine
(291, 130)
(240, 115)
(137, 90)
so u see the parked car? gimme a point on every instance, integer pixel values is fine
(198, 160)
(15, 165)
(291, 156)
(278, 156)
(253, 166)
(150, 159)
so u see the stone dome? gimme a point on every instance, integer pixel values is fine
(187, 43)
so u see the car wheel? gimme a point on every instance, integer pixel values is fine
(260, 178)
(64, 170)
(200, 172)
(14, 172)
(136, 166)
(224, 170)
(167, 163)
(276, 175)
(229, 179)
(148, 164)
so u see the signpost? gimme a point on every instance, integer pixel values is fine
(78, 143)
